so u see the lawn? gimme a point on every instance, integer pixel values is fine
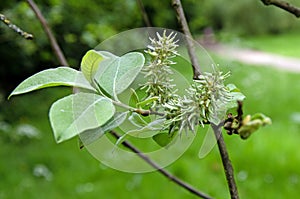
(266, 165)
(284, 44)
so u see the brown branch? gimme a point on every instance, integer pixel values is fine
(56, 49)
(283, 5)
(144, 13)
(226, 161)
(217, 129)
(189, 38)
(161, 170)
(15, 28)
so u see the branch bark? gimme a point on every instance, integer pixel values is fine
(144, 13)
(226, 161)
(161, 170)
(283, 5)
(15, 28)
(189, 38)
(217, 129)
(56, 49)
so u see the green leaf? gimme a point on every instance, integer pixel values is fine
(235, 95)
(90, 63)
(134, 98)
(89, 136)
(137, 120)
(116, 76)
(77, 113)
(265, 120)
(232, 88)
(252, 124)
(61, 76)
(92, 60)
(163, 139)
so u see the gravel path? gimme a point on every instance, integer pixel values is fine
(256, 57)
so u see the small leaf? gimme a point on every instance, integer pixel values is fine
(61, 76)
(232, 88)
(235, 95)
(79, 112)
(116, 76)
(252, 124)
(134, 98)
(137, 120)
(89, 136)
(90, 63)
(265, 120)
(163, 139)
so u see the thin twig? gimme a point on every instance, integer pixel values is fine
(217, 129)
(15, 28)
(144, 13)
(226, 161)
(57, 50)
(283, 5)
(189, 38)
(161, 170)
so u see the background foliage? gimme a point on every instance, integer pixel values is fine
(81, 25)
(268, 161)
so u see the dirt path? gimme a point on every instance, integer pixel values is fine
(256, 57)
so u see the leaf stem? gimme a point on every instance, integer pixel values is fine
(136, 110)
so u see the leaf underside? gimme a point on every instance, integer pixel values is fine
(61, 76)
(77, 113)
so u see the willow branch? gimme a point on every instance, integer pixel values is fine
(189, 38)
(226, 161)
(161, 170)
(283, 5)
(217, 129)
(56, 49)
(144, 13)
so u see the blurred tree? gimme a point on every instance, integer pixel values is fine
(78, 26)
(81, 25)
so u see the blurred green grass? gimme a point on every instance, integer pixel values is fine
(266, 165)
(284, 44)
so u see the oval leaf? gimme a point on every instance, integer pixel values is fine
(61, 76)
(90, 63)
(116, 76)
(79, 112)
